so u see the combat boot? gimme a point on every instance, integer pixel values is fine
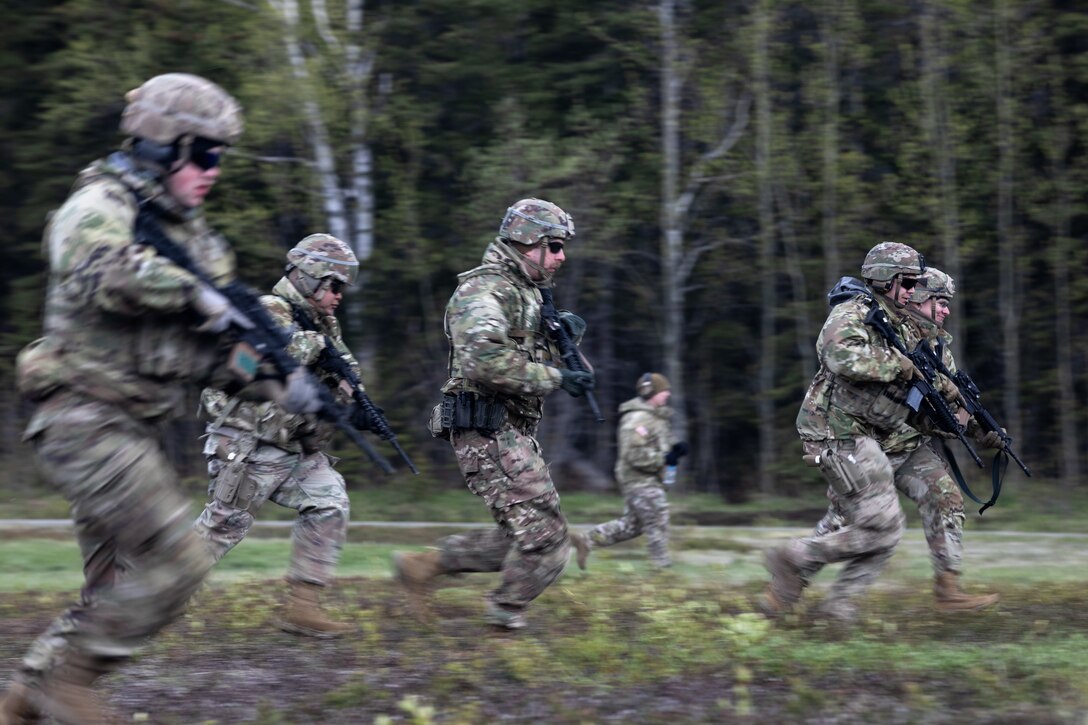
(67, 696)
(505, 618)
(16, 707)
(416, 573)
(950, 598)
(303, 613)
(786, 584)
(582, 546)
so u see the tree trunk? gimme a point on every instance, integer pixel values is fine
(1064, 247)
(829, 146)
(939, 136)
(765, 378)
(672, 240)
(1006, 241)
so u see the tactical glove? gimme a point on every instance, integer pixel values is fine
(993, 440)
(576, 382)
(219, 314)
(678, 451)
(576, 326)
(361, 419)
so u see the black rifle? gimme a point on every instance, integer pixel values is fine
(557, 331)
(267, 338)
(972, 404)
(923, 397)
(333, 361)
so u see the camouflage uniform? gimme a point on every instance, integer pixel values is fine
(852, 416)
(118, 350)
(920, 473)
(498, 352)
(258, 452)
(645, 437)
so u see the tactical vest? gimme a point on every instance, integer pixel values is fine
(526, 334)
(123, 352)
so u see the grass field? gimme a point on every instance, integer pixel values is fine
(617, 643)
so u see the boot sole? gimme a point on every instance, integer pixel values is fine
(308, 632)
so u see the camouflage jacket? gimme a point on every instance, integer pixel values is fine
(858, 390)
(119, 323)
(497, 346)
(271, 423)
(645, 436)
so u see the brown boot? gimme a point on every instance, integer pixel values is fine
(786, 583)
(582, 546)
(416, 573)
(303, 613)
(16, 707)
(950, 598)
(67, 695)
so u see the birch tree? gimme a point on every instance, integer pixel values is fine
(679, 188)
(345, 192)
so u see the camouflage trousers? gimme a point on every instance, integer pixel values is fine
(862, 489)
(141, 560)
(922, 476)
(645, 511)
(531, 544)
(258, 473)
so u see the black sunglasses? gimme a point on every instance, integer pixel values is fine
(907, 282)
(555, 247)
(201, 154)
(336, 287)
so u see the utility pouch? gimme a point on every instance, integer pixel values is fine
(466, 411)
(441, 418)
(488, 416)
(845, 470)
(233, 486)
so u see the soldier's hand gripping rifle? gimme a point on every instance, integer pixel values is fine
(567, 349)
(263, 335)
(970, 394)
(923, 397)
(331, 360)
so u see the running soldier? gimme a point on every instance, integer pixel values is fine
(258, 452)
(648, 454)
(499, 375)
(126, 330)
(852, 425)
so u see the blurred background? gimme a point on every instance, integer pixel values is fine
(725, 164)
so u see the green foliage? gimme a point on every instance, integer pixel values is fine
(471, 105)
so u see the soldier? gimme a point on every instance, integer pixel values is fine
(257, 451)
(498, 378)
(647, 452)
(939, 499)
(924, 478)
(121, 343)
(855, 411)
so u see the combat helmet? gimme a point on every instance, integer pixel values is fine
(530, 221)
(888, 259)
(174, 105)
(317, 257)
(935, 283)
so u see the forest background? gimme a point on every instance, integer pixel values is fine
(725, 163)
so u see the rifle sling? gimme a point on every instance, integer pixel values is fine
(1000, 465)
